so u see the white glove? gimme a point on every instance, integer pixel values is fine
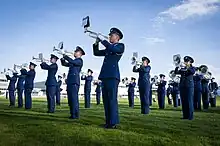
(7, 73)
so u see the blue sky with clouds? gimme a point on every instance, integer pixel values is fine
(154, 28)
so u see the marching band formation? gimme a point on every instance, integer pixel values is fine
(188, 86)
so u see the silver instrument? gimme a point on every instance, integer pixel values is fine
(125, 81)
(155, 80)
(40, 58)
(59, 50)
(204, 70)
(177, 61)
(134, 60)
(22, 66)
(92, 34)
(175, 78)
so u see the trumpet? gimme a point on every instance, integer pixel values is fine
(22, 66)
(59, 50)
(134, 60)
(125, 81)
(40, 58)
(92, 34)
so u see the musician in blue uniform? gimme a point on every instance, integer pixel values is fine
(98, 91)
(87, 87)
(11, 88)
(187, 87)
(20, 89)
(144, 84)
(110, 74)
(197, 89)
(29, 84)
(205, 93)
(59, 89)
(73, 80)
(213, 87)
(51, 83)
(131, 87)
(169, 92)
(175, 93)
(150, 94)
(161, 90)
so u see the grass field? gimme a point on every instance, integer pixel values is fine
(19, 127)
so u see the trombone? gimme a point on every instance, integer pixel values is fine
(92, 34)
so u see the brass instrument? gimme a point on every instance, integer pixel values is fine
(125, 81)
(155, 80)
(61, 51)
(40, 58)
(92, 34)
(177, 61)
(174, 77)
(205, 72)
(134, 60)
(22, 66)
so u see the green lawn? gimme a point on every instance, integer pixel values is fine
(19, 127)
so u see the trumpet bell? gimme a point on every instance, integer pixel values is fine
(177, 60)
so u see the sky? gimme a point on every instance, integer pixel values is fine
(157, 29)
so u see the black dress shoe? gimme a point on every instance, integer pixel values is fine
(112, 127)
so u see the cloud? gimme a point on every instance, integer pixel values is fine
(190, 8)
(153, 40)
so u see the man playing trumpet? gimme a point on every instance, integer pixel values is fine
(51, 83)
(186, 87)
(73, 80)
(131, 87)
(87, 87)
(29, 84)
(161, 90)
(11, 88)
(110, 74)
(144, 84)
(98, 91)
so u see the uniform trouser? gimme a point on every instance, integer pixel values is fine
(213, 102)
(169, 100)
(73, 100)
(161, 100)
(186, 94)
(131, 99)
(150, 98)
(110, 101)
(87, 98)
(144, 97)
(179, 100)
(12, 97)
(58, 97)
(98, 94)
(28, 98)
(205, 100)
(20, 97)
(6, 96)
(175, 99)
(51, 92)
(197, 99)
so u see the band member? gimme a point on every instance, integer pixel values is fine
(98, 91)
(51, 83)
(197, 89)
(73, 80)
(175, 93)
(58, 90)
(187, 87)
(213, 86)
(161, 90)
(29, 84)
(87, 87)
(11, 88)
(131, 87)
(150, 94)
(144, 84)
(169, 92)
(110, 74)
(205, 93)
(20, 89)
